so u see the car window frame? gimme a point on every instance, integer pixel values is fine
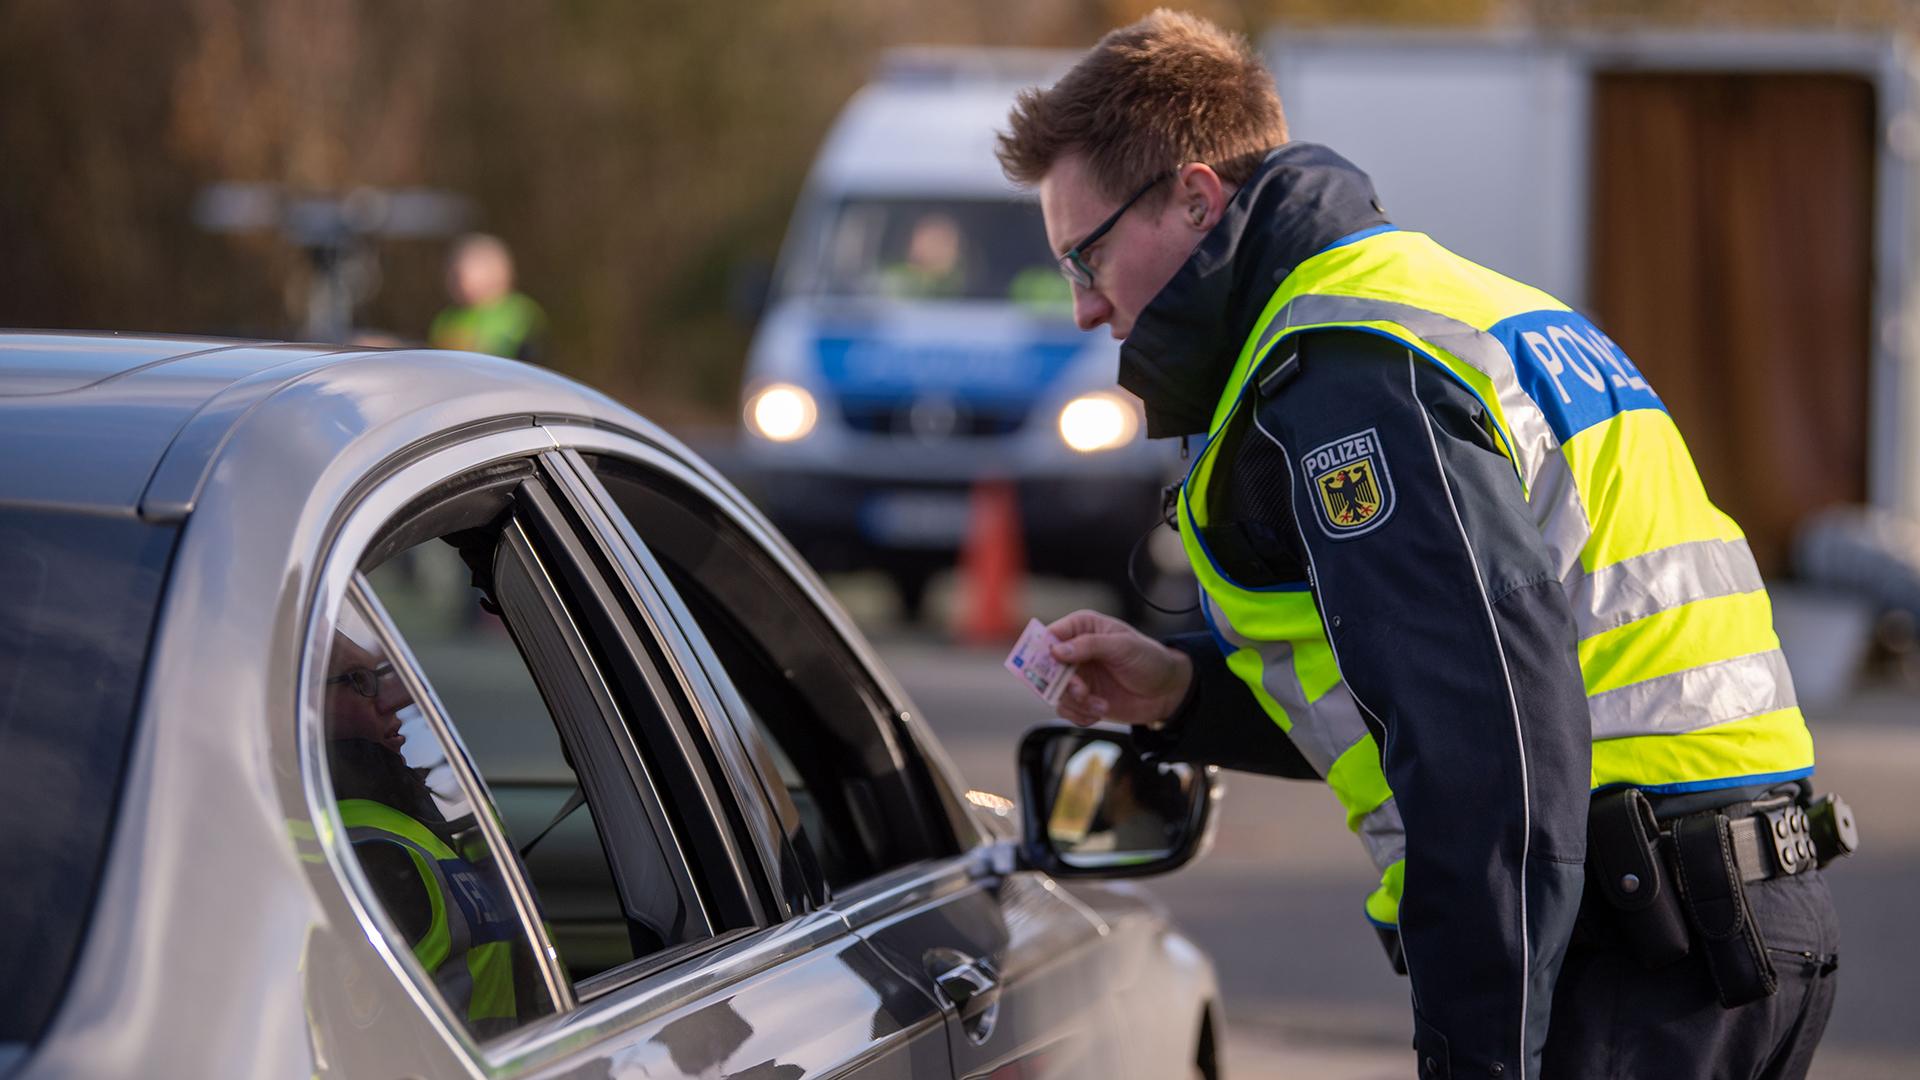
(729, 702)
(764, 819)
(511, 870)
(355, 530)
(522, 487)
(758, 687)
(905, 752)
(601, 732)
(562, 550)
(930, 770)
(676, 775)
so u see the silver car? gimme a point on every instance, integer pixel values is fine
(422, 714)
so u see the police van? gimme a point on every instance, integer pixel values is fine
(918, 356)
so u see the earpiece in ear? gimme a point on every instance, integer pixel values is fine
(1198, 214)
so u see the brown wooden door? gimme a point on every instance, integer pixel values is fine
(1732, 259)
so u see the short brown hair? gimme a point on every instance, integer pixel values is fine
(1150, 97)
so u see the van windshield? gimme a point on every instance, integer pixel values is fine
(937, 249)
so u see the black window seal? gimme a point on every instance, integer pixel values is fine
(767, 819)
(638, 662)
(607, 767)
(473, 499)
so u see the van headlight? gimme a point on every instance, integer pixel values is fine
(781, 412)
(1094, 422)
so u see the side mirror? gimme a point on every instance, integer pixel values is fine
(1091, 806)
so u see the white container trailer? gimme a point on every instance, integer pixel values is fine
(1734, 208)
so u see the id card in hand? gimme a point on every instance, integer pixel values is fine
(1032, 660)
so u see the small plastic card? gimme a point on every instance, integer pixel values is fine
(1032, 660)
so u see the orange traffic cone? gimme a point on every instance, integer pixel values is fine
(991, 565)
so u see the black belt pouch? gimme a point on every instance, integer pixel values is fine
(1625, 867)
(1716, 902)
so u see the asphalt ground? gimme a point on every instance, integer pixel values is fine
(1277, 900)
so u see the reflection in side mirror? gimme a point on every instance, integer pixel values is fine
(1092, 807)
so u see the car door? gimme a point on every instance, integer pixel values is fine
(1005, 953)
(540, 836)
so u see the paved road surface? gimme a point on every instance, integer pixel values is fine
(1277, 901)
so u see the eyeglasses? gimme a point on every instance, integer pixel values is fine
(364, 681)
(1073, 264)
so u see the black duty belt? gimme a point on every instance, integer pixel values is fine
(1790, 839)
(1770, 844)
(1677, 887)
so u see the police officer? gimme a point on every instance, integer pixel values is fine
(487, 314)
(1454, 559)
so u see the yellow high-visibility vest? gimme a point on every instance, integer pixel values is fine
(476, 976)
(1686, 686)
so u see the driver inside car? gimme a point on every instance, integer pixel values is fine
(450, 911)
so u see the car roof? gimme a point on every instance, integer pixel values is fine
(129, 424)
(85, 418)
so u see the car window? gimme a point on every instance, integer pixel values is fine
(78, 593)
(419, 839)
(493, 628)
(860, 792)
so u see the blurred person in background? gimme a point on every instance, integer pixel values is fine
(487, 315)
(933, 268)
(1454, 559)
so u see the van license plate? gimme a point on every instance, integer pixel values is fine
(916, 519)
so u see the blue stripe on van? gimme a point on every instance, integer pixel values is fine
(880, 369)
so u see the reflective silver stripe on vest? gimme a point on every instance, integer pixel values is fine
(1385, 835)
(1554, 498)
(453, 977)
(1613, 596)
(1716, 693)
(1324, 729)
(1561, 515)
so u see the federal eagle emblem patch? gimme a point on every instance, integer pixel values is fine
(1353, 492)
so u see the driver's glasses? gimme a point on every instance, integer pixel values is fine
(364, 681)
(1073, 264)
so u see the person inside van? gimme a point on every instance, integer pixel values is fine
(933, 268)
(1041, 290)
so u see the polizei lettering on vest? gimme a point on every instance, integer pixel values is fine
(1333, 455)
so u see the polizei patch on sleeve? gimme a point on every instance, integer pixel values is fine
(1353, 492)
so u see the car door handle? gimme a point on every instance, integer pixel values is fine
(971, 987)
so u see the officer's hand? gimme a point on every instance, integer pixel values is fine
(1124, 676)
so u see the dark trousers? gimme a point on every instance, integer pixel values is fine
(1616, 1020)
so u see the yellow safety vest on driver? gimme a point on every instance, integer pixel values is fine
(463, 948)
(1686, 685)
